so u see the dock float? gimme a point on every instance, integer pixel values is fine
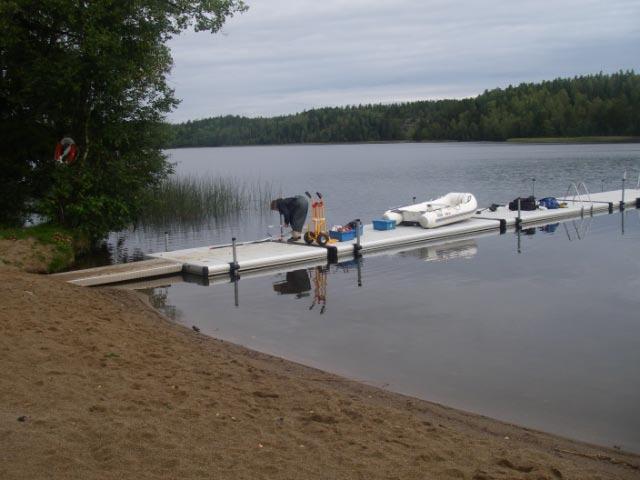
(219, 260)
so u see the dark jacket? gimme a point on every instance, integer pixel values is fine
(294, 211)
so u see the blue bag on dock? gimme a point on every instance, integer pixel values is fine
(549, 202)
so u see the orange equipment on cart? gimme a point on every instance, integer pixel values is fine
(317, 230)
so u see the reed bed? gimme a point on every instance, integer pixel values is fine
(191, 199)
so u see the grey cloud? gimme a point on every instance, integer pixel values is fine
(287, 56)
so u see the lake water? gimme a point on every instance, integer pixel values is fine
(541, 330)
(362, 181)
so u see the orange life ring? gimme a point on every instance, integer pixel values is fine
(66, 154)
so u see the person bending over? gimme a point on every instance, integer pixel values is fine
(294, 211)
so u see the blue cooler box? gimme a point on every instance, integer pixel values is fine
(342, 236)
(384, 224)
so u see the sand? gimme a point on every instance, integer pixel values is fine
(27, 254)
(96, 384)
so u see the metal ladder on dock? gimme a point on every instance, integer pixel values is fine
(576, 194)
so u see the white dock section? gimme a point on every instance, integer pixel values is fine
(217, 260)
(212, 261)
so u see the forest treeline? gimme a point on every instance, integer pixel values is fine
(592, 105)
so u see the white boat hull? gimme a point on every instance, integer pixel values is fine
(451, 208)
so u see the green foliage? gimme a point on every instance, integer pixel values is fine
(594, 105)
(95, 71)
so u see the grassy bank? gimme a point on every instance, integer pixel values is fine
(44, 248)
(604, 139)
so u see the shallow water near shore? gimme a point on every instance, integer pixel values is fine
(541, 331)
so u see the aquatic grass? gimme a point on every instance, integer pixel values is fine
(190, 199)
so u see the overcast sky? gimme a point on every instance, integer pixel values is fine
(286, 56)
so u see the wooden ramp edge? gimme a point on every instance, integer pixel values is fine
(121, 272)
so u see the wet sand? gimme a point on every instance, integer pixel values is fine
(96, 384)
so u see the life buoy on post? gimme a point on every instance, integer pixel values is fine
(66, 151)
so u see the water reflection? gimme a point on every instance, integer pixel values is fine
(549, 338)
(578, 229)
(449, 251)
(158, 298)
(295, 283)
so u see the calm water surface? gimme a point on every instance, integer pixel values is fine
(548, 338)
(546, 335)
(361, 181)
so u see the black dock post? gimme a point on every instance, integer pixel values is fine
(503, 226)
(519, 219)
(357, 247)
(610, 207)
(332, 254)
(638, 202)
(233, 266)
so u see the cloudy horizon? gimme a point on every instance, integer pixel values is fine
(283, 57)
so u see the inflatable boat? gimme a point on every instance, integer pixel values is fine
(451, 208)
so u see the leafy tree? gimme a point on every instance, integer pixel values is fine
(94, 70)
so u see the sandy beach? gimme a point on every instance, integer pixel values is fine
(96, 384)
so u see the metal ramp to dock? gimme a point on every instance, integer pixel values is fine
(218, 260)
(121, 272)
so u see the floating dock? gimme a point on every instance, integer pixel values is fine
(218, 260)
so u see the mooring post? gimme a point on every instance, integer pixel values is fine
(519, 219)
(166, 241)
(414, 199)
(233, 267)
(357, 247)
(359, 266)
(624, 179)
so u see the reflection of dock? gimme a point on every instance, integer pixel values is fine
(446, 251)
(219, 261)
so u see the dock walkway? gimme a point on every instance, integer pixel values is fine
(218, 260)
(121, 272)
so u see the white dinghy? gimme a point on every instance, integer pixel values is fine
(451, 208)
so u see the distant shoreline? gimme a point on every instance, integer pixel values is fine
(578, 140)
(526, 141)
